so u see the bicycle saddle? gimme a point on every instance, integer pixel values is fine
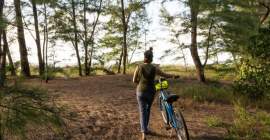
(172, 98)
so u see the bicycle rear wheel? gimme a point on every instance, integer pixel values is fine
(181, 129)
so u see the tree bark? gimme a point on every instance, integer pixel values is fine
(2, 52)
(120, 61)
(92, 36)
(208, 43)
(25, 69)
(266, 15)
(12, 68)
(76, 38)
(40, 61)
(0, 44)
(45, 45)
(124, 36)
(3, 60)
(86, 65)
(194, 9)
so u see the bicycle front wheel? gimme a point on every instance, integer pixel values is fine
(163, 111)
(181, 129)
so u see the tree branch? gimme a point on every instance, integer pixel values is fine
(266, 15)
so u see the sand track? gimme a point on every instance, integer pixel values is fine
(105, 107)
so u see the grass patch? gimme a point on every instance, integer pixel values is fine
(249, 125)
(212, 92)
(213, 121)
(22, 107)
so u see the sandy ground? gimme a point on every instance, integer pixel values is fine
(105, 108)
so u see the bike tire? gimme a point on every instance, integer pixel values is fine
(181, 132)
(163, 111)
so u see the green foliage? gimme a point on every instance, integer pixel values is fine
(249, 126)
(254, 74)
(3, 22)
(112, 41)
(22, 107)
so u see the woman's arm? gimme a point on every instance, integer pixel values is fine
(135, 75)
(166, 75)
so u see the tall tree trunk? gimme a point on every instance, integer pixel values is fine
(40, 61)
(91, 58)
(0, 44)
(12, 68)
(93, 34)
(2, 52)
(3, 60)
(45, 44)
(124, 36)
(120, 61)
(86, 65)
(208, 43)
(194, 9)
(76, 37)
(25, 69)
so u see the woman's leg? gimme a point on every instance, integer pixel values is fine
(150, 100)
(142, 101)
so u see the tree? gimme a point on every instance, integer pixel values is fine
(172, 25)
(25, 69)
(3, 52)
(200, 21)
(10, 62)
(76, 36)
(194, 11)
(3, 60)
(97, 8)
(124, 25)
(123, 28)
(37, 39)
(66, 30)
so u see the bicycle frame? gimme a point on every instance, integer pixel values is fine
(169, 109)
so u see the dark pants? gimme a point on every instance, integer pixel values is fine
(145, 100)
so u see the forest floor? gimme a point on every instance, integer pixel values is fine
(105, 107)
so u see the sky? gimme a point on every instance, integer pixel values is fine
(64, 51)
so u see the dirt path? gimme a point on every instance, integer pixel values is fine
(105, 107)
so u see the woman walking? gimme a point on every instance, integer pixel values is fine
(144, 77)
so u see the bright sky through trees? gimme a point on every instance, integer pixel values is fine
(156, 38)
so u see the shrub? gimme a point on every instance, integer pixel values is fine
(254, 73)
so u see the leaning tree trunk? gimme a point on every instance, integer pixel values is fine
(124, 36)
(25, 69)
(76, 38)
(92, 36)
(40, 61)
(11, 64)
(194, 7)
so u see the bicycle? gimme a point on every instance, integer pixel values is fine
(173, 119)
